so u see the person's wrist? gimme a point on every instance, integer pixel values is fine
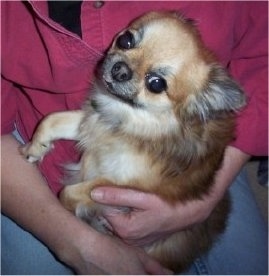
(85, 251)
(233, 161)
(75, 243)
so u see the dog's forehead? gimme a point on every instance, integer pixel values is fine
(165, 32)
(166, 40)
(163, 25)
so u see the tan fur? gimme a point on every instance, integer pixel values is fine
(169, 143)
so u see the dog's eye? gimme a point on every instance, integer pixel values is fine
(155, 83)
(126, 41)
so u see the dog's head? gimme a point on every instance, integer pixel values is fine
(160, 64)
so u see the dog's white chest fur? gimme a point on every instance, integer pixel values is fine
(111, 156)
(116, 162)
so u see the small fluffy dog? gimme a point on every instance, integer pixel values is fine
(161, 116)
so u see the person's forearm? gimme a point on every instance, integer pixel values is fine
(233, 161)
(27, 199)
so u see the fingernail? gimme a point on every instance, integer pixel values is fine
(97, 194)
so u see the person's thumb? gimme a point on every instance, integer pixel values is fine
(116, 196)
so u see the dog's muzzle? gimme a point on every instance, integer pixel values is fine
(119, 78)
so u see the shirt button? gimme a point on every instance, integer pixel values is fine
(98, 4)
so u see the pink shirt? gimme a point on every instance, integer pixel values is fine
(46, 68)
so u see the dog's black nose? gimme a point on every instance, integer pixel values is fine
(121, 72)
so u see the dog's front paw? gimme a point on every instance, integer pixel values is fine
(35, 151)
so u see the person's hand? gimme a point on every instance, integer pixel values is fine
(152, 218)
(111, 256)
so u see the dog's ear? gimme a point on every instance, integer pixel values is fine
(219, 96)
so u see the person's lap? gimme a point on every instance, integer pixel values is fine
(242, 249)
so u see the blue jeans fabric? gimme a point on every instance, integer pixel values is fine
(241, 250)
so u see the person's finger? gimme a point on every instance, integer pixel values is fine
(120, 197)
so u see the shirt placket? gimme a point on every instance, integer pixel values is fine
(92, 24)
